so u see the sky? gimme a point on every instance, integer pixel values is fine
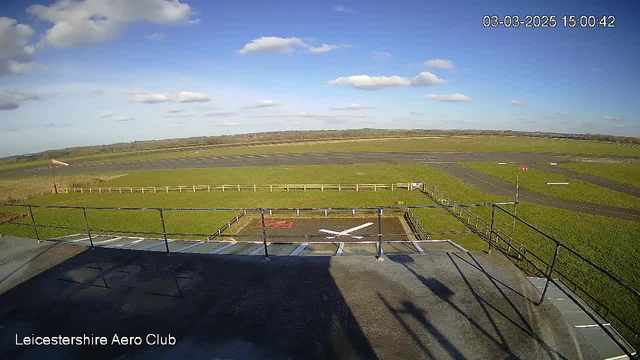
(75, 73)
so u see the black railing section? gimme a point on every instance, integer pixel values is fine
(414, 225)
(532, 262)
(227, 225)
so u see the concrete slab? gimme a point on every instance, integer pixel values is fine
(438, 246)
(328, 249)
(278, 249)
(240, 249)
(173, 246)
(359, 249)
(399, 248)
(434, 306)
(205, 248)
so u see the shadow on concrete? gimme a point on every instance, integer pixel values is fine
(224, 307)
(491, 329)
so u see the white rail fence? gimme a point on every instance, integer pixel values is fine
(240, 187)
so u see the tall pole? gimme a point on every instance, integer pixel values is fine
(53, 171)
(515, 211)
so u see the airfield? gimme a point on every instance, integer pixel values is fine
(350, 260)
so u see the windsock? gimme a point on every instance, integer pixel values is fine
(56, 162)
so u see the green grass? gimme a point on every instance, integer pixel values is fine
(610, 242)
(463, 143)
(535, 180)
(434, 143)
(624, 173)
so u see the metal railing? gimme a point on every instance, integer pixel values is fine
(488, 232)
(240, 187)
(379, 211)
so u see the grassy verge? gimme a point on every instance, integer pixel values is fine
(536, 180)
(29, 187)
(624, 173)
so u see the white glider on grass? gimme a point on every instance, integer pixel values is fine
(346, 232)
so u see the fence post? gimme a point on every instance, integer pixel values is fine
(339, 187)
(208, 188)
(375, 187)
(222, 188)
(321, 187)
(254, 188)
(154, 190)
(264, 236)
(391, 186)
(380, 253)
(86, 223)
(493, 216)
(356, 187)
(238, 187)
(164, 231)
(271, 188)
(194, 188)
(553, 266)
(33, 221)
(100, 190)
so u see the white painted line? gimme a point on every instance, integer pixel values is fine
(340, 249)
(619, 357)
(591, 325)
(299, 249)
(76, 240)
(189, 246)
(154, 245)
(107, 241)
(558, 183)
(456, 245)
(64, 236)
(223, 248)
(415, 244)
(256, 251)
(124, 245)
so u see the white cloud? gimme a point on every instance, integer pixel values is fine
(455, 97)
(155, 36)
(515, 112)
(195, 21)
(148, 97)
(86, 22)
(106, 115)
(611, 118)
(519, 103)
(340, 8)
(122, 118)
(262, 104)
(178, 116)
(11, 99)
(220, 113)
(440, 64)
(15, 53)
(327, 47)
(353, 107)
(151, 98)
(381, 55)
(416, 113)
(190, 97)
(228, 123)
(173, 110)
(272, 44)
(366, 82)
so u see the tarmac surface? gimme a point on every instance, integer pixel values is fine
(503, 188)
(467, 305)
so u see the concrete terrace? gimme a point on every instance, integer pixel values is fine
(459, 305)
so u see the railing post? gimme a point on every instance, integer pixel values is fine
(164, 231)
(493, 216)
(553, 266)
(33, 221)
(380, 252)
(264, 236)
(86, 223)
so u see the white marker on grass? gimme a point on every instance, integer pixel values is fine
(346, 232)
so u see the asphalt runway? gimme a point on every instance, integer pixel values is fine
(502, 188)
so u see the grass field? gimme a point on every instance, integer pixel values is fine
(536, 180)
(610, 242)
(466, 143)
(624, 173)
(434, 143)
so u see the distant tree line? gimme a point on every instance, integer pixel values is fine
(293, 136)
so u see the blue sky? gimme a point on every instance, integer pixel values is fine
(97, 72)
